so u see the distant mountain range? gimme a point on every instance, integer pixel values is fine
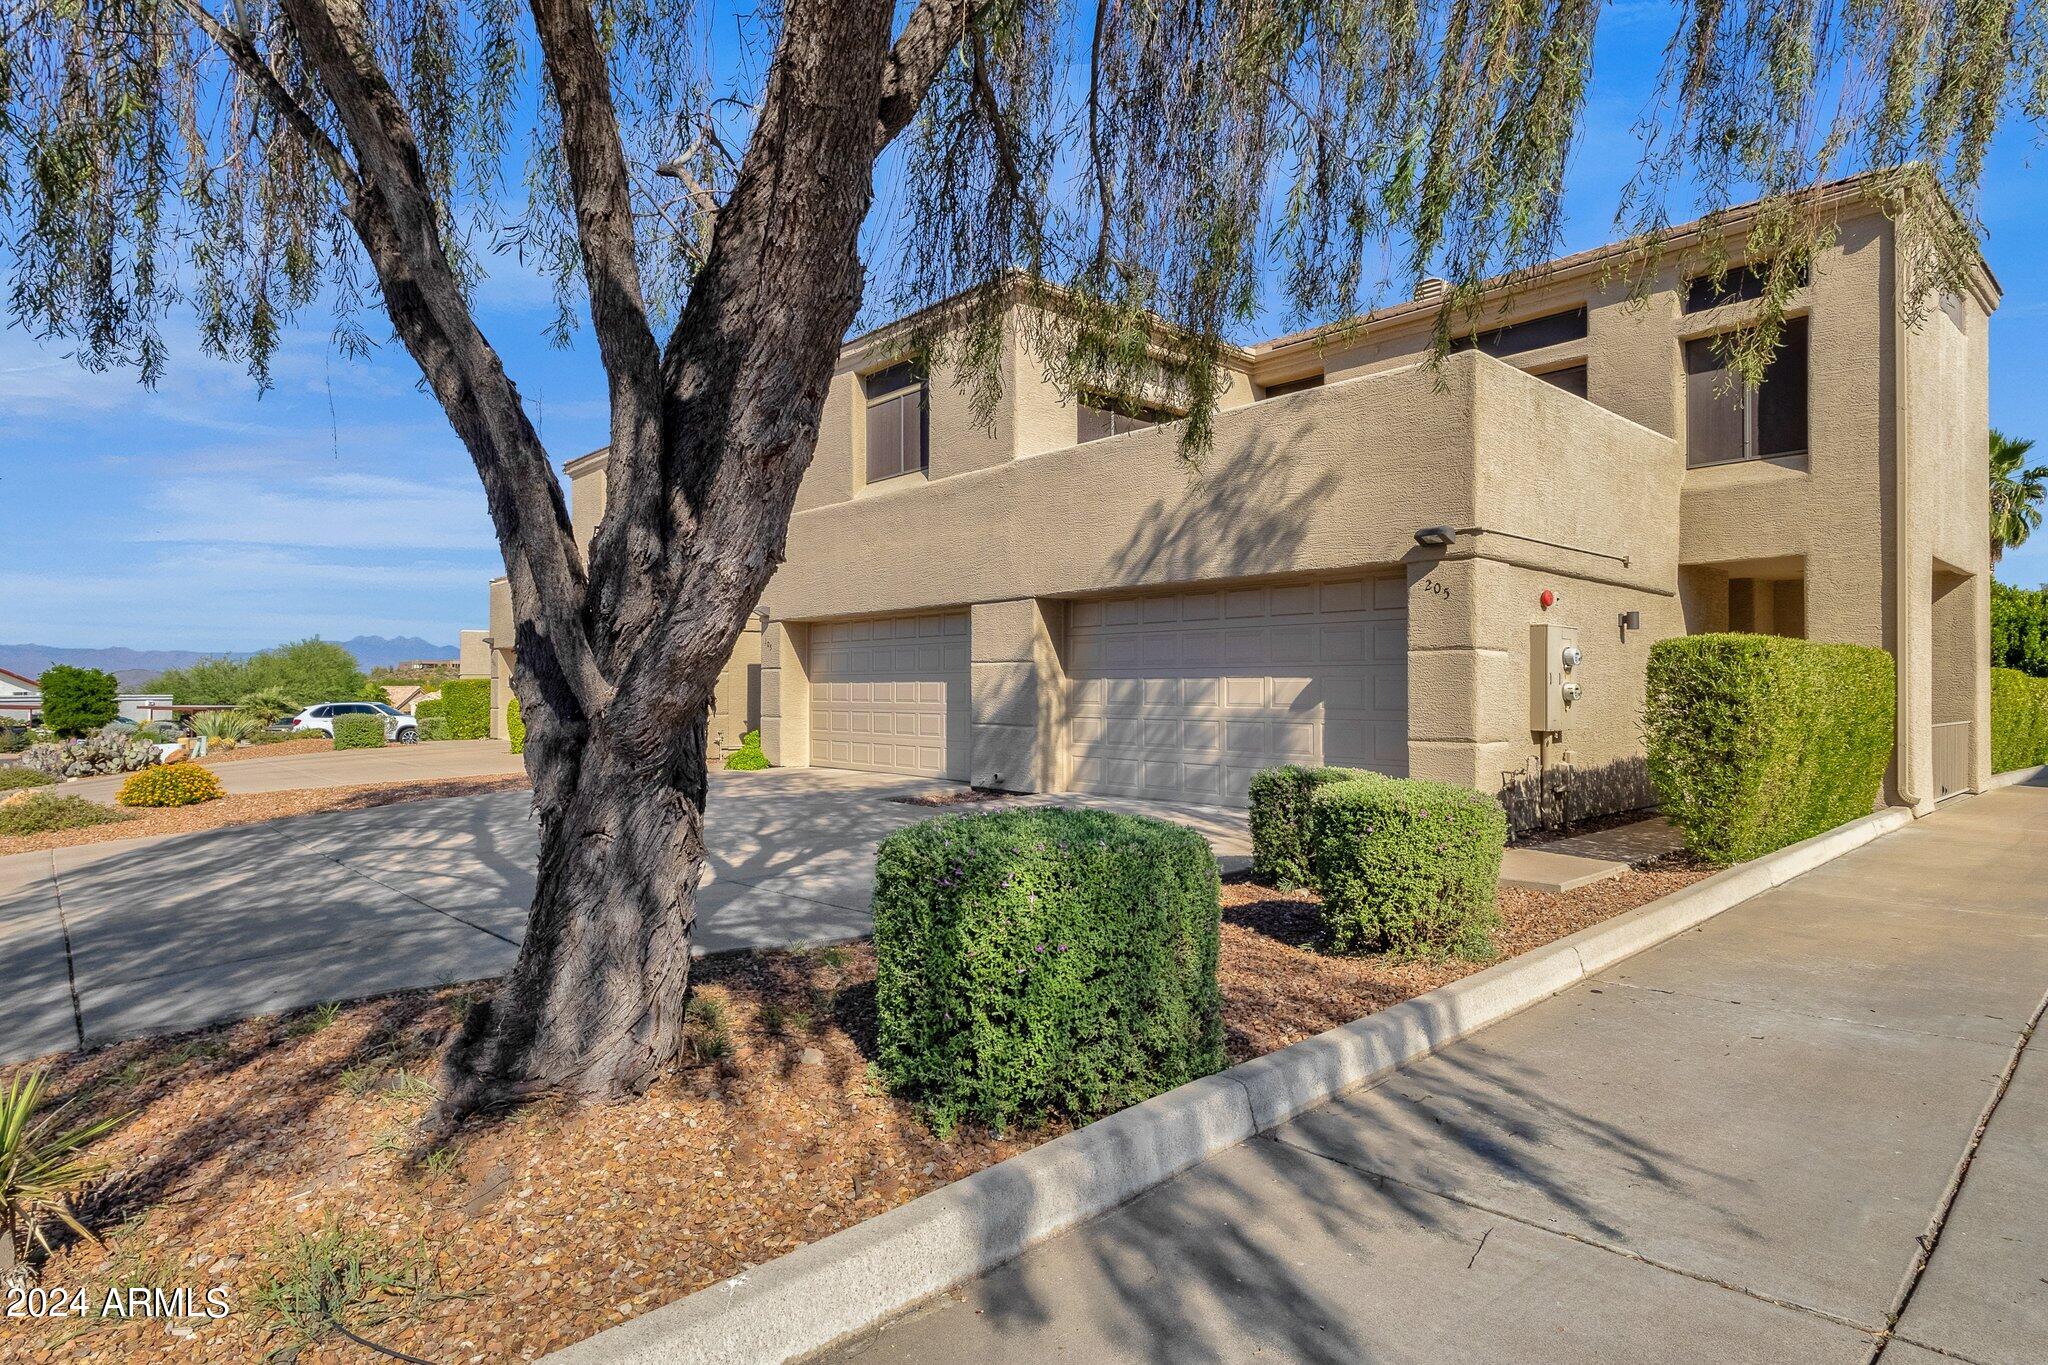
(133, 666)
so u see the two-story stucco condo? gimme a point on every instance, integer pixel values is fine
(1380, 562)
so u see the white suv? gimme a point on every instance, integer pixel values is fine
(319, 720)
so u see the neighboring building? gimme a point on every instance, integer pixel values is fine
(474, 660)
(20, 698)
(1379, 563)
(406, 697)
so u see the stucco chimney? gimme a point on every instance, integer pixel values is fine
(1430, 289)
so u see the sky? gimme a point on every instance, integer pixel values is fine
(202, 515)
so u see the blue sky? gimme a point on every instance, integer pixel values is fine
(201, 516)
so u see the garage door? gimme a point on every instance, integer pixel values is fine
(1184, 697)
(890, 696)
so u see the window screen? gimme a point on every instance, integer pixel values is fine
(1099, 415)
(1287, 386)
(1737, 285)
(1725, 420)
(896, 422)
(1532, 335)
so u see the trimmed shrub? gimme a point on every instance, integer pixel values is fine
(749, 757)
(1279, 820)
(1408, 866)
(2019, 720)
(47, 811)
(77, 701)
(432, 727)
(1044, 961)
(466, 702)
(1756, 741)
(13, 777)
(515, 726)
(358, 732)
(91, 757)
(2019, 630)
(174, 784)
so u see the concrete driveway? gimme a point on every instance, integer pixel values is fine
(1730, 1148)
(343, 768)
(108, 941)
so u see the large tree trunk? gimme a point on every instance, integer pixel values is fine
(595, 1005)
(700, 492)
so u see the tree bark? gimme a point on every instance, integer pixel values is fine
(617, 657)
(697, 513)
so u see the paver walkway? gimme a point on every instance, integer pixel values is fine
(112, 940)
(1722, 1150)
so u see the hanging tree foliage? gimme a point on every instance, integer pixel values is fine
(696, 184)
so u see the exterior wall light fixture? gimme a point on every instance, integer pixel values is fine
(1438, 536)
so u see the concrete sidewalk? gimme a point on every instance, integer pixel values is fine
(1722, 1150)
(108, 941)
(342, 768)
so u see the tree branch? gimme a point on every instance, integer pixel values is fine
(244, 54)
(395, 217)
(929, 36)
(601, 188)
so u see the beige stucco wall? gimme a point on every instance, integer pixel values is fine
(1013, 518)
(1331, 480)
(473, 658)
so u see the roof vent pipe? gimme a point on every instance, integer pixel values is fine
(1430, 289)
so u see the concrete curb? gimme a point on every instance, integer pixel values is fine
(2014, 778)
(834, 1288)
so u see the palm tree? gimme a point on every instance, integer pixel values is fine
(2016, 493)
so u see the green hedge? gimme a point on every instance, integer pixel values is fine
(749, 757)
(358, 732)
(1408, 866)
(515, 726)
(1044, 961)
(2019, 720)
(1279, 820)
(466, 702)
(1755, 741)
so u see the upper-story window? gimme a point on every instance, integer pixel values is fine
(896, 421)
(1099, 415)
(1727, 420)
(1287, 386)
(1534, 334)
(1736, 286)
(1572, 379)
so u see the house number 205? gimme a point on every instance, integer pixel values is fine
(1431, 585)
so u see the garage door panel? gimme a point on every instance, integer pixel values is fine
(891, 695)
(1187, 697)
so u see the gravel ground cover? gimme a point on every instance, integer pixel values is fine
(254, 807)
(253, 1140)
(281, 748)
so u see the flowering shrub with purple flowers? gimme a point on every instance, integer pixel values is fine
(1042, 962)
(1408, 866)
(1279, 821)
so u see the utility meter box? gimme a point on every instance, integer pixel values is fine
(1554, 675)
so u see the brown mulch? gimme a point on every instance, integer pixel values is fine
(1278, 990)
(249, 808)
(282, 748)
(557, 1221)
(955, 796)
